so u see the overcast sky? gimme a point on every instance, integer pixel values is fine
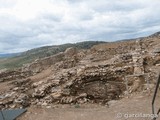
(25, 24)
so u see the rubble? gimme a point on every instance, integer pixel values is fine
(70, 52)
(92, 76)
(156, 50)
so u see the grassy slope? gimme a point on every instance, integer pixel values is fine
(31, 55)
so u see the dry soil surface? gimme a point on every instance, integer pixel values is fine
(132, 108)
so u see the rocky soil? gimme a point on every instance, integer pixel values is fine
(136, 104)
(104, 73)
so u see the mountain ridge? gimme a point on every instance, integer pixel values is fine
(17, 60)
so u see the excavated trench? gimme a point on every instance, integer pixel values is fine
(99, 88)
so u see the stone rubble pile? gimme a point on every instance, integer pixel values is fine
(78, 79)
(9, 75)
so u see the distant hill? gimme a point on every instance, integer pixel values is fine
(11, 61)
(9, 55)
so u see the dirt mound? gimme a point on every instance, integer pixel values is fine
(106, 72)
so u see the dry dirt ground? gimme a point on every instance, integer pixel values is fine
(133, 106)
(42, 75)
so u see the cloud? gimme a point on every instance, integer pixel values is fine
(7, 3)
(26, 24)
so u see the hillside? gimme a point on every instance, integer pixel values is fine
(9, 62)
(119, 77)
(8, 55)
